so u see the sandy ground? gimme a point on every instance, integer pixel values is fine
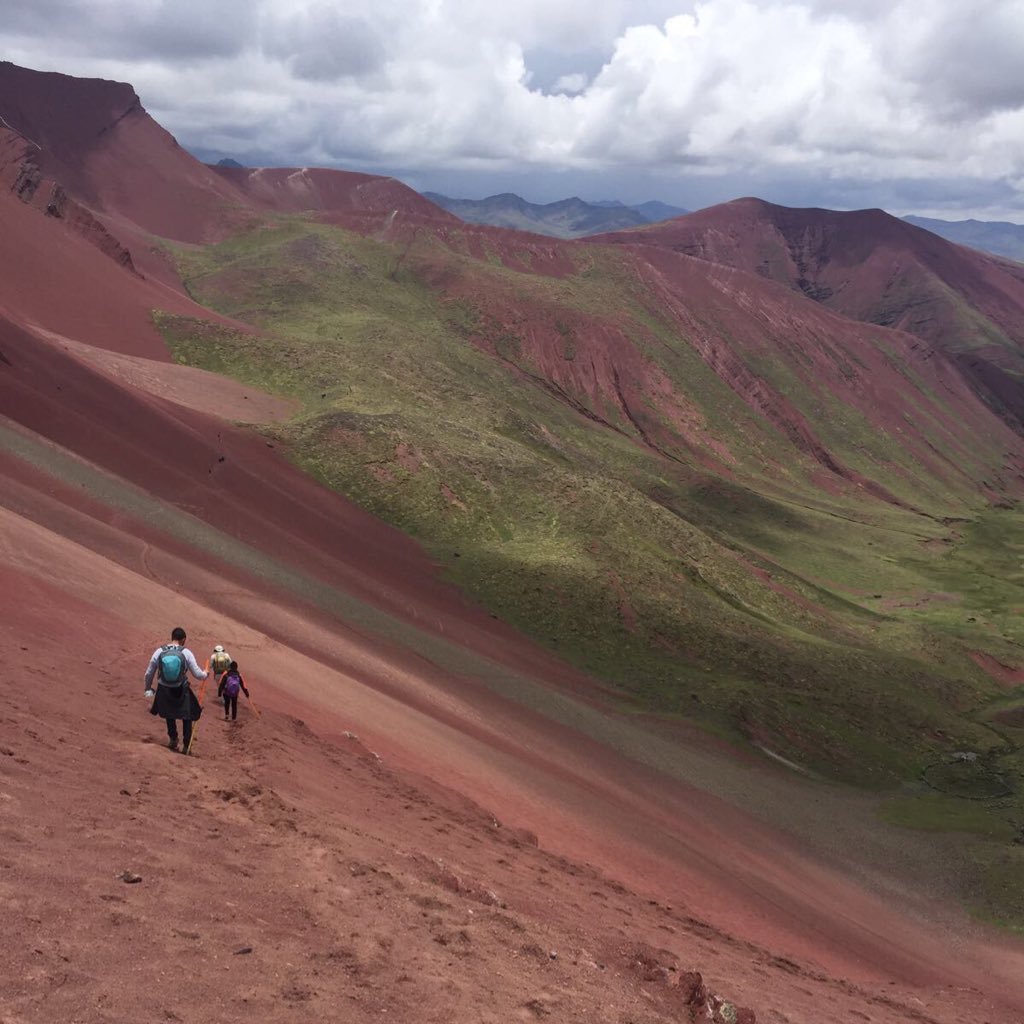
(187, 386)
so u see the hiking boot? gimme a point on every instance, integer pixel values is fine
(172, 744)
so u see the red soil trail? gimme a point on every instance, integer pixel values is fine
(682, 861)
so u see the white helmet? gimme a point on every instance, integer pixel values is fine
(218, 649)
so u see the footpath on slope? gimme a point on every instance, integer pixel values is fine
(279, 872)
(577, 789)
(359, 890)
(271, 872)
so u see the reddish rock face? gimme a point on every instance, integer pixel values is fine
(97, 141)
(95, 138)
(691, 989)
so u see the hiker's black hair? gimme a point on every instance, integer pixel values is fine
(178, 635)
(234, 667)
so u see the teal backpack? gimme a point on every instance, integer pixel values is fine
(171, 666)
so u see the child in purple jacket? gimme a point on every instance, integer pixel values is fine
(231, 682)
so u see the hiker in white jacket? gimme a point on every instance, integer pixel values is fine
(169, 668)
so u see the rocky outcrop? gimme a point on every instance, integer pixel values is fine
(26, 181)
(685, 988)
(691, 991)
(78, 218)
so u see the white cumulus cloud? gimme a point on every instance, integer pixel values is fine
(571, 83)
(859, 91)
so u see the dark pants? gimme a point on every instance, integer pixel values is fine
(232, 704)
(186, 731)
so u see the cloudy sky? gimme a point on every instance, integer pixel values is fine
(913, 105)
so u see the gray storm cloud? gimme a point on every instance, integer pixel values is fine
(100, 32)
(810, 90)
(320, 44)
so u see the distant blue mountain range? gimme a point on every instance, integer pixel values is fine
(1000, 237)
(567, 218)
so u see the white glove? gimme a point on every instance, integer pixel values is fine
(149, 693)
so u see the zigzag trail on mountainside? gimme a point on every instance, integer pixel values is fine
(496, 845)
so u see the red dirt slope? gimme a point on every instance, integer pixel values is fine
(57, 273)
(276, 871)
(866, 264)
(873, 267)
(190, 459)
(82, 553)
(21, 175)
(283, 874)
(358, 886)
(95, 138)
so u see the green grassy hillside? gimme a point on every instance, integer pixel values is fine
(676, 544)
(830, 628)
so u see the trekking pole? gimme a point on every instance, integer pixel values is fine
(202, 685)
(202, 693)
(192, 737)
(259, 714)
